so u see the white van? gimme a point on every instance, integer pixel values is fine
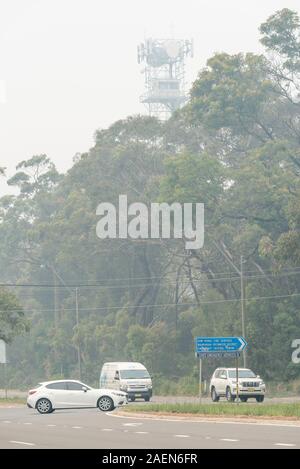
(130, 377)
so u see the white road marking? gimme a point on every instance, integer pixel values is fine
(142, 433)
(6, 421)
(182, 436)
(51, 425)
(76, 427)
(284, 444)
(106, 429)
(134, 424)
(293, 424)
(22, 443)
(228, 439)
(27, 423)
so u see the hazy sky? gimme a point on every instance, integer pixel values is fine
(68, 67)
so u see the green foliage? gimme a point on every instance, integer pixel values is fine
(281, 33)
(38, 174)
(233, 147)
(233, 92)
(12, 320)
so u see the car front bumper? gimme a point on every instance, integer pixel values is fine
(120, 401)
(252, 393)
(139, 393)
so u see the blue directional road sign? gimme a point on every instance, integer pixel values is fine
(211, 346)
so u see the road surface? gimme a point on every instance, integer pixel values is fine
(172, 399)
(89, 428)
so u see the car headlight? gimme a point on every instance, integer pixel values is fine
(124, 387)
(119, 394)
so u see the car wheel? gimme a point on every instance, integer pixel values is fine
(229, 396)
(44, 406)
(243, 399)
(214, 395)
(147, 398)
(260, 398)
(106, 404)
(132, 398)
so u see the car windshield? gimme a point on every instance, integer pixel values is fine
(242, 374)
(134, 374)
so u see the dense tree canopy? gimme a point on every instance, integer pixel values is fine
(235, 146)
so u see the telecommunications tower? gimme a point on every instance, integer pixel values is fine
(164, 74)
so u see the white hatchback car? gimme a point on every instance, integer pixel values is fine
(66, 394)
(223, 384)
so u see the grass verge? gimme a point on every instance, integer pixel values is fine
(12, 400)
(221, 409)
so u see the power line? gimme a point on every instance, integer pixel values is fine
(163, 280)
(228, 274)
(108, 308)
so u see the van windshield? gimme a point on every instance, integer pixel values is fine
(134, 374)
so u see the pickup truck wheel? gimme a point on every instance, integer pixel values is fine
(214, 395)
(229, 396)
(260, 398)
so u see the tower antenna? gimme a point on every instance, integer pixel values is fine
(164, 74)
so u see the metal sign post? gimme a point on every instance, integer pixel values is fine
(237, 378)
(200, 379)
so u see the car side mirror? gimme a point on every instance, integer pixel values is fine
(257, 376)
(84, 388)
(117, 378)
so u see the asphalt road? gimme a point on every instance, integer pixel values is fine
(173, 399)
(89, 428)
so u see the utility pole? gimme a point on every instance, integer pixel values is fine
(240, 272)
(77, 324)
(55, 301)
(55, 304)
(243, 308)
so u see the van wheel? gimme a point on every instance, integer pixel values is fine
(214, 395)
(147, 398)
(243, 399)
(132, 398)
